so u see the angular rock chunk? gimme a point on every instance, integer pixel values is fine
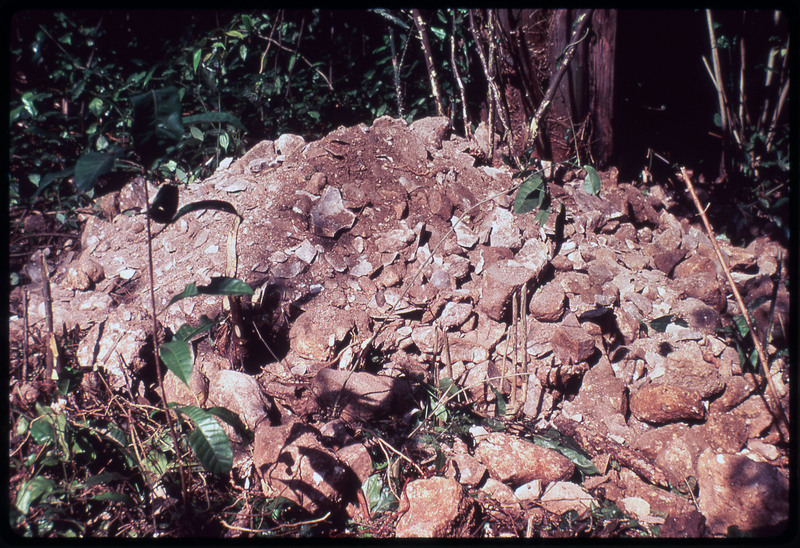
(329, 216)
(505, 232)
(293, 463)
(241, 394)
(431, 130)
(562, 496)
(547, 304)
(436, 507)
(497, 284)
(662, 403)
(571, 344)
(288, 143)
(515, 461)
(316, 332)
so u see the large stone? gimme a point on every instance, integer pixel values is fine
(436, 507)
(547, 304)
(431, 130)
(504, 230)
(241, 394)
(742, 493)
(562, 496)
(663, 403)
(292, 462)
(361, 394)
(515, 461)
(571, 343)
(329, 216)
(316, 332)
(498, 282)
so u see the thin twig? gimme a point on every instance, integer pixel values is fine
(745, 314)
(24, 334)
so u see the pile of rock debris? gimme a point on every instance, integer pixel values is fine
(389, 239)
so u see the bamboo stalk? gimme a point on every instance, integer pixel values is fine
(759, 348)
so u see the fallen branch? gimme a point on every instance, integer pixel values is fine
(762, 359)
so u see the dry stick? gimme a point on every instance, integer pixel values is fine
(725, 122)
(493, 92)
(50, 346)
(512, 403)
(523, 298)
(447, 361)
(457, 76)
(24, 334)
(396, 74)
(761, 356)
(422, 29)
(580, 25)
(157, 359)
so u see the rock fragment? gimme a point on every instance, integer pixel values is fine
(663, 403)
(736, 491)
(515, 461)
(329, 215)
(436, 507)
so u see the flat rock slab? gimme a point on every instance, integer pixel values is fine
(360, 394)
(515, 461)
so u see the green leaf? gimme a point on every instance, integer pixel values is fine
(224, 141)
(90, 166)
(379, 496)
(164, 205)
(32, 491)
(581, 461)
(177, 356)
(219, 205)
(235, 34)
(42, 430)
(156, 121)
(208, 441)
(220, 285)
(186, 332)
(386, 14)
(214, 118)
(591, 183)
(529, 195)
(660, 324)
(542, 216)
(501, 403)
(116, 497)
(196, 133)
(439, 33)
(96, 106)
(233, 419)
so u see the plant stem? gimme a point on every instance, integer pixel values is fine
(156, 358)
